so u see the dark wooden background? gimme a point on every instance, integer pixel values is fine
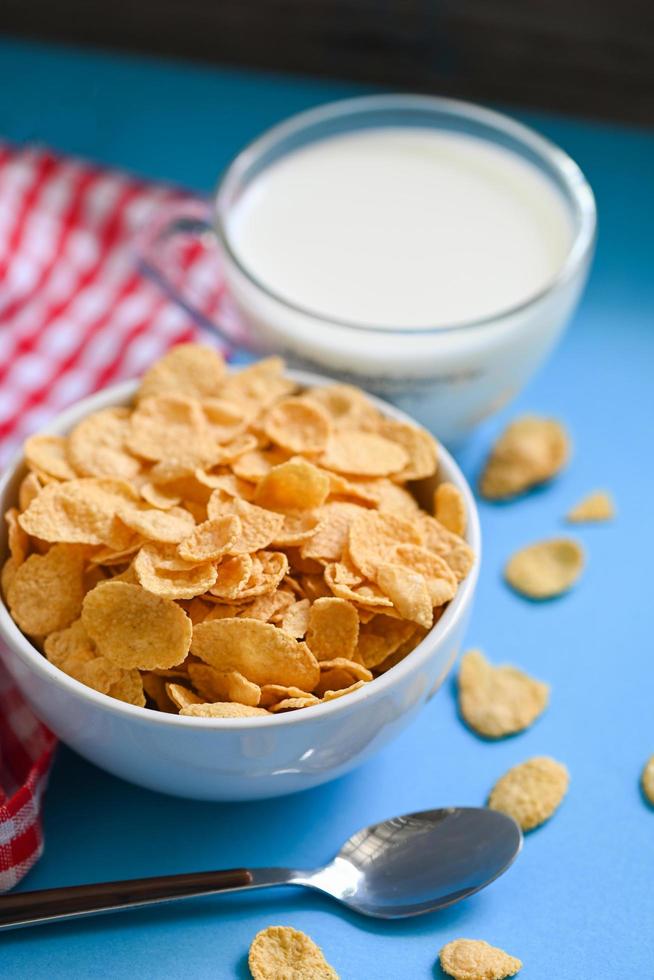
(577, 56)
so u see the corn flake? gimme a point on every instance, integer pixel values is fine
(474, 959)
(450, 508)
(227, 709)
(531, 791)
(187, 369)
(133, 628)
(498, 701)
(282, 953)
(647, 780)
(292, 486)
(259, 651)
(333, 629)
(211, 539)
(408, 592)
(597, 506)
(223, 685)
(49, 455)
(46, 591)
(97, 445)
(530, 451)
(545, 569)
(351, 451)
(298, 426)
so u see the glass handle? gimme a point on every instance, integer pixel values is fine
(191, 220)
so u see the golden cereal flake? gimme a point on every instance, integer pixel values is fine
(450, 508)
(298, 426)
(223, 685)
(530, 451)
(419, 445)
(597, 506)
(293, 704)
(545, 569)
(210, 540)
(79, 511)
(259, 526)
(294, 485)
(260, 651)
(498, 701)
(357, 453)
(46, 591)
(282, 953)
(172, 427)
(531, 792)
(17, 539)
(333, 629)
(96, 446)
(647, 780)
(373, 536)
(408, 592)
(134, 628)
(474, 959)
(227, 709)
(49, 455)
(187, 369)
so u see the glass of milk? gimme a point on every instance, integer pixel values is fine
(426, 249)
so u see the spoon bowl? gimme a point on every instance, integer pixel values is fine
(401, 867)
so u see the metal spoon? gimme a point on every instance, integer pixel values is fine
(400, 867)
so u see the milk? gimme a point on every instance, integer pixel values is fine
(432, 267)
(402, 227)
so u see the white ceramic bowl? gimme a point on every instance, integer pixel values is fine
(236, 759)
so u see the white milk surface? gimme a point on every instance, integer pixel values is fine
(402, 227)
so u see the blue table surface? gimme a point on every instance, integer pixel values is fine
(579, 901)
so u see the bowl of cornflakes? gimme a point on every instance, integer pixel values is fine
(233, 584)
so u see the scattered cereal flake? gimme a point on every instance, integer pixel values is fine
(298, 426)
(96, 446)
(294, 485)
(282, 953)
(450, 508)
(391, 498)
(269, 607)
(373, 536)
(46, 591)
(134, 628)
(181, 696)
(358, 453)
(260, 651)
(498, 701)
(597, 506)
(408, 592)
(48, 454)
(295, 620)
(129, 688)
(531, 792)
(17, 539)
(187, 369)
(172, 583)
(227, 709)
(154, 687)
(333, 629)
(419, 445)
(530, 451)
(474, 959)
(545, 569)
(211, 539)
(80, 511)
(223, 685)
(225, 419)
(259, 526)
(647, 780)
(268, 570)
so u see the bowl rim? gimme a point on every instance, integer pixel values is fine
(120, 393)
(582, 205)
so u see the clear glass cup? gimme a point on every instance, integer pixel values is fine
(450, 377)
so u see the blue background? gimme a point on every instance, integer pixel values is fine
(579, 902)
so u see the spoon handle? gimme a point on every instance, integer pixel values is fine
(57, 904)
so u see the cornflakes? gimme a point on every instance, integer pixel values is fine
(529, 452)
(531, 792)
(597, 506)
(545, 569)
(474, 959)
(498, 701)
(280, 953)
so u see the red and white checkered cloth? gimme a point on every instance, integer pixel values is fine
(76, 314)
